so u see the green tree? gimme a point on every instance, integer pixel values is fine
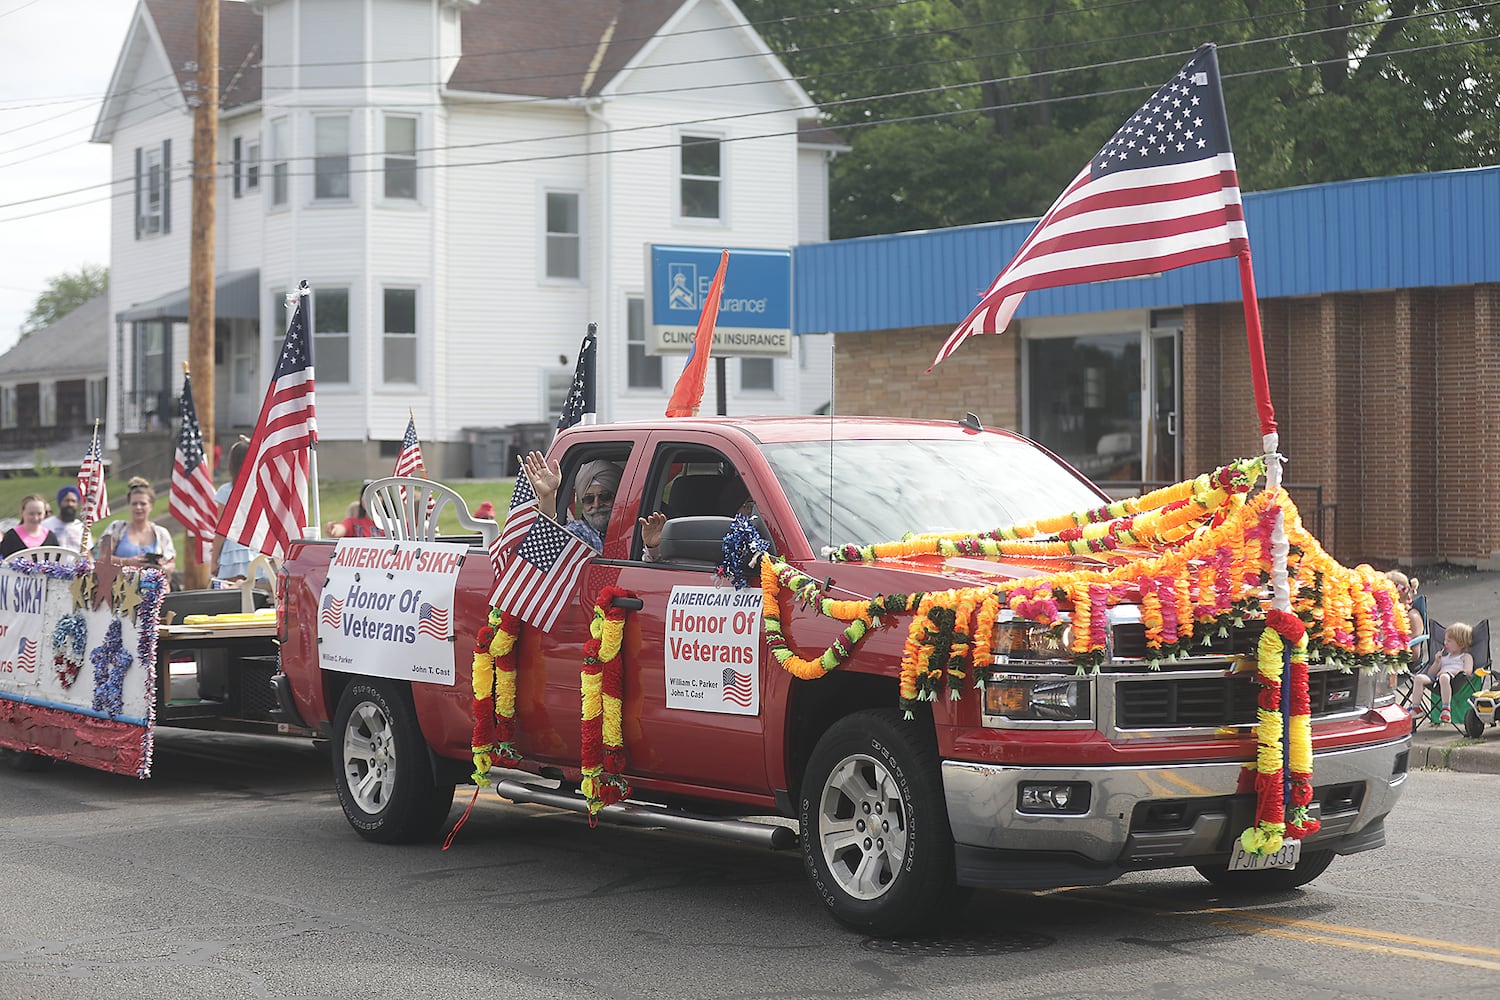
(64, 293)
(964, 111)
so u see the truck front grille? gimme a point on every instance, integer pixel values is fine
(1164, 701)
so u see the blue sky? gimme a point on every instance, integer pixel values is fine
(56, 57)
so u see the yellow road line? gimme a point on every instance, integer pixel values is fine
(1309, 931)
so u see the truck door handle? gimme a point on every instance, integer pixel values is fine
(627, 603)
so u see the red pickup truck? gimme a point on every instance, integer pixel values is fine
(1034, 773)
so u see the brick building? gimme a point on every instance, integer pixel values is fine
(1380, 303)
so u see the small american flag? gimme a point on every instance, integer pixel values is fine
(581, 393)
(737, 687)
(432, 621)
(91, 485)
(26, 661)
(537, 562)
(409, 462)
(1162, 193)
(333, 611)
(268, 506)
(192, 499)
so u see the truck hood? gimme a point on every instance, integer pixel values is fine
(933, 573)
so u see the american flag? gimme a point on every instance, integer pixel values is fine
(737, 687)
(333, 612)
(537, 563)
(581, 393)
(91, 485)
(1162, 193)
(432, 621)
(192, 499)
(268, 506)
(409, 462)
(27, 659)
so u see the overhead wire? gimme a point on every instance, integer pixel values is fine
(846, 126)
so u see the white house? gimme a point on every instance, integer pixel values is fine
(466, 185)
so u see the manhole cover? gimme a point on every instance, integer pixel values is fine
(999, 943)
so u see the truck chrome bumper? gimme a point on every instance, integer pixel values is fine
(1164, 815)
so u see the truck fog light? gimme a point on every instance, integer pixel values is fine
(1067, 797)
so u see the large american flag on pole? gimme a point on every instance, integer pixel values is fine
(192, 499)
(1162, 193)
(537, 563)
(268, 506)
(91, 485)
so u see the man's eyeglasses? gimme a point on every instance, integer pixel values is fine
(595, 499)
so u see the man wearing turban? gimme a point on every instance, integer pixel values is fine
(594, 488)
(65, 523)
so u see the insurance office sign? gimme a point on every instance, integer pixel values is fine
(755, 309)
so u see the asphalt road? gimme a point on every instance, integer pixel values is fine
(231, 873)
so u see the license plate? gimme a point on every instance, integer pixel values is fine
(1243, 861)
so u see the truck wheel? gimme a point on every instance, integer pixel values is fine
(25, 760)
(1473, 725)
(1313, 864)
(875, 837)
(380, 766)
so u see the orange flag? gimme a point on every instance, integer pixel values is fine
(688, 392)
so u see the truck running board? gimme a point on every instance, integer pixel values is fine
(776, 838)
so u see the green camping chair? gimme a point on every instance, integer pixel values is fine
(1463, 685)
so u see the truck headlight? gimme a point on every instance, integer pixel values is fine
(1038, 698)
(1019, 641)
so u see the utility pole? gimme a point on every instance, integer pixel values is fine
(201, 273)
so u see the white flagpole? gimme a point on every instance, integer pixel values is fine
(313, 529)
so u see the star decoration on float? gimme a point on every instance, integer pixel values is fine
(125, 595)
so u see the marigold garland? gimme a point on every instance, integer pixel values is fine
(493, 675)
(602, 753)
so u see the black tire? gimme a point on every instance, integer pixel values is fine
(381, 766)
(893, 881)
(24, 760)
(1312, 864)
(1473, 725)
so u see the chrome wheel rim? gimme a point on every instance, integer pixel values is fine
(862, 826)
(369, 757)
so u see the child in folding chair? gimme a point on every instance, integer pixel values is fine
(1454, 659)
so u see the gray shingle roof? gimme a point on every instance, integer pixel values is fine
(74, 347)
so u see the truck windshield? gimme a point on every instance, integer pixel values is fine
(876, 491)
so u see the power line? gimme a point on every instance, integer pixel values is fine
(931, 116)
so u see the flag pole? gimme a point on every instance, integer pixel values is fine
(590, 408)
(88, 535)
(1281, 594)
(314, 529)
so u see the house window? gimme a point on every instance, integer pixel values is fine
(94, 401)
(562, 235)
(331, 157)
(400, 156)
(330, 309)
(644, 369)
(757, 374)
(279, 167)
(330, 328)
(153, 192)
(399, 344)
(556, 383)
(252, 166)
(8, 406)
(48, 404)
(700, 178)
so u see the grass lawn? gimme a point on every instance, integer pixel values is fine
(335, 495)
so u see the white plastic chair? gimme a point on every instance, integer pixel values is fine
(272, 566)
(50, 553)
(407, 507)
